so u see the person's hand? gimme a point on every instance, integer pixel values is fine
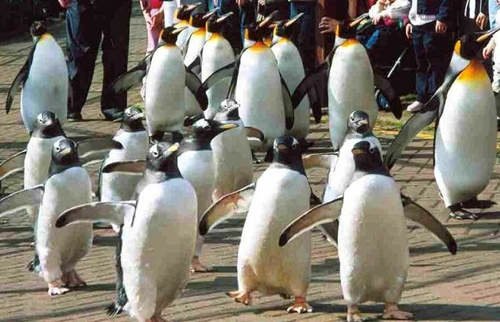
(441, 27)
(481, 20)
(487, 52)
(408, 30)
(157, 20)
(376, 19)
(327, 25)
(64, 3)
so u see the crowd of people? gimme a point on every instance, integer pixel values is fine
(431, 26)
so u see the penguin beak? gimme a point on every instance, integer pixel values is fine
(282, 147)
(268, 19)
(228, 126)
(363, 122)
(357, 151)
(293, 20)
(356, 21)
(487, 35)
(178, 30)
(209, 14)
(173, 148)
(193, 6)
(224, 17)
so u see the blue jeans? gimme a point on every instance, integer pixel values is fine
(305, 40)
(492, 11)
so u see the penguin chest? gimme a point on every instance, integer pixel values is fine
(258, 91)
(465, 146)
(158, 246)
(183, 38)
(165, 104)
(37, 160)
(195, 44)
(281, 196)
(350, 88)
(372, 241)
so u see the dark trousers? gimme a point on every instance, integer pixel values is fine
(232, 29)
(305, 39)
(247, 16)
(89, 22)
(432, 53)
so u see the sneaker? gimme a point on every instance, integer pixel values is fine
(415, 107)
(75, 117)
(112, 114)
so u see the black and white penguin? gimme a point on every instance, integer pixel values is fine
(280, 195)
(372, 237)
(158, 232)
(43, 78)
(58, 250)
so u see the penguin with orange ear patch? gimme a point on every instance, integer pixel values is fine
(465, 137)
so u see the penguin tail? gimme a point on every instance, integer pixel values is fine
(114, 309)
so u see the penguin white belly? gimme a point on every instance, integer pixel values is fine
(121, 186)
(342, 171)
(195, 45)
(258, 91)
(46, 88)
(37, 160)
(465, 147)
(60, 249)
(165, 105)
(281, 196)
(158, 246)
(183, 38)
(217, 53)
(292, 70)
(350, 88)
(372, 241)
(233, 161)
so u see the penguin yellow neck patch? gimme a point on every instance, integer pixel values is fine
(215, 36)
(283, 40)
(458, 46)
(350, 42)
(258, 47)
(199, 33)
(473, 72)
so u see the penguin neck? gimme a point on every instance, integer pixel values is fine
(364, 167)
(353, 134)
(155, 176)
(132, 127)
(196, 143)
(48, 132)
(58, 168)
(293, 163)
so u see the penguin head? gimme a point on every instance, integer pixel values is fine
(215, 24)
(257, 31)
(169, 34)
(367, 157)
(65, 152)
(206, 130)
(199, 19)
(359, 122)
(132, 119)
(469, 45)
(183, 12)
(345, 31)
(228, 111)
(162, 156)
(287, 150)
(288, 28)
(47, 125)
(37, 29)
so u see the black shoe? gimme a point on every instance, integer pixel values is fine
(112, 114)
(75, 117)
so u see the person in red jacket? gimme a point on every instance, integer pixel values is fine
(153, 14)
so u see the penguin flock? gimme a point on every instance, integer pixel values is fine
(183, 164)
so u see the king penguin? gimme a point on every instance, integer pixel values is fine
(158, 234)
(58, 250)
(466, 131)
(280, 195)
(44, 79)
(183, 15)
(372, 237)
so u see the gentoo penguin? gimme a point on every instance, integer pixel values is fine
(292, 70)
(372, 237)
(465, 135)
(280, 195)
(158, 234)
(216, 53)
(58, 250)
(134, 139)
(44, 79)
(197, 165)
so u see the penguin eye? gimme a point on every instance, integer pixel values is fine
(155, 154)
(57, 149)
(372, 150)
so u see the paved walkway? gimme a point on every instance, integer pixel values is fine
(440, 287)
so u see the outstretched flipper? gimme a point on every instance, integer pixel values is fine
(12, 165)
(331, 232)
(226, 206)
(23, 199)
(96, 149)
(19, 80)
(195, 86)
(311, 82)
(289, 107)
(112, 212)
(133, 77)
(221, 73)
(135, 166)
(412, 127)
(319, 160)
(418, 214)
(389, 93)
(321, 214)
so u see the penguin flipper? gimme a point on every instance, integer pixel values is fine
(420, 215)
(321, 214)
(113, 212)
(195, 86)
(96, 149)
(253, 132)
(12, 165)
(317, 76)
(226, 206)
(289, 107)
(19, 80)
(389, 93)
(133, 77)
(223, 72)
(412, 127)
(319, 160)
(23, 199)
(331, 232)
(135, 166)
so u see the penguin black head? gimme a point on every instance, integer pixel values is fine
(359, 122)
(169, 34)
(37, 29)
(198, 19)
(257, 31)
(132, 119)
(184, 12)
(367, 158)
(215, 24)
(469, 45)
(206, 130)
(162, 157)
(65, 152)
(287, 151)
(47, 125)
(345, 31)
(288, 28)
(229, 111)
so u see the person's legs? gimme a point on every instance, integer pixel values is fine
(305, 39)
(438, 48)
(232, 29)
(247, 16)
(422, 63)
(83, 37)
(115, 55)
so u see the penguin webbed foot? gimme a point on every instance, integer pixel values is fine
(57, 288)
(458, 213)
(198, 267)
(299, 306)
(240, 297)
(73, 280)
(114, 309)
(353, 314)
(392, 312)
(478, 204)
